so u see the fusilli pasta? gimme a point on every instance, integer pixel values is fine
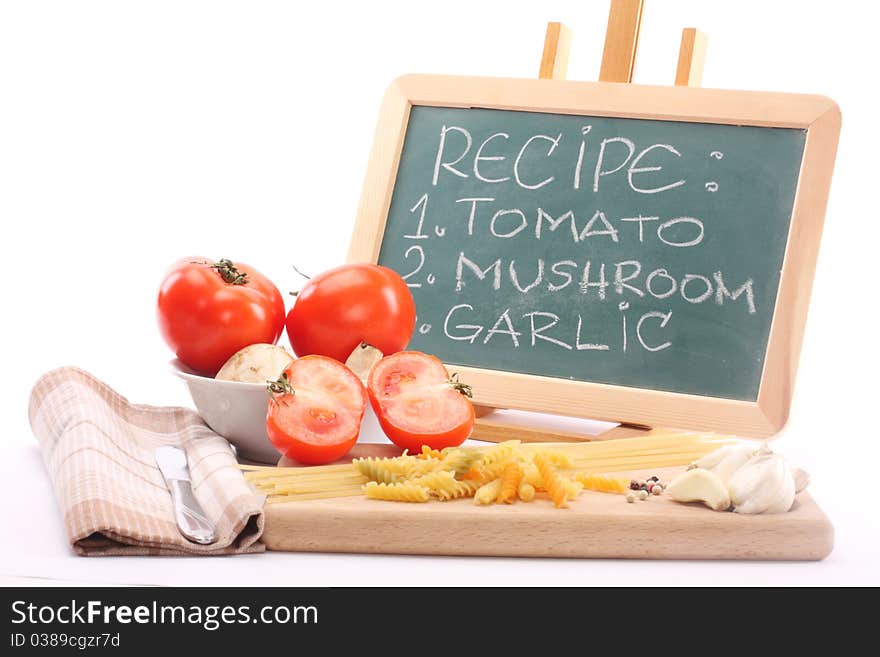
(510, 478)
(459, 460)
(457, 489)
(384, 471)
(500, 452)
(558, 458)
(403, 492)
(552, 480)
(603, 483)
(487, 493)
(428, 453)
(441, 479)
(532, 476)
(485, 472)
(526, 491)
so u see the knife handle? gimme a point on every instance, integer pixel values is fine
(188, 513)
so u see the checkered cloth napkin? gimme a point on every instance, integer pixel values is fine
(99, 451)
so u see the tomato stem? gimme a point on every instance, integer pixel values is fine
(457, 385)
(229, 272)
(305, 276)
(280, 387)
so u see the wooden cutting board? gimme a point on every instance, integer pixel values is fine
(596, 525)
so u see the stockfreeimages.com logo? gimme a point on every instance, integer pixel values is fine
(210, 617)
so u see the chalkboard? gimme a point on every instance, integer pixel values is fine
(611, 250)
(640, 254)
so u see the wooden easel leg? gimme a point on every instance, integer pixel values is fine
(554, 61)
(621, 41)
(691, 56)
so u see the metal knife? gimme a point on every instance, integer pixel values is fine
(188, 513)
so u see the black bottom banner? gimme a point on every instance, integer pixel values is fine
(260, 620)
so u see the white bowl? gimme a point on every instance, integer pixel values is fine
(235, 410)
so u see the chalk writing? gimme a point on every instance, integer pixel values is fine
(617, 155)
(592, 246)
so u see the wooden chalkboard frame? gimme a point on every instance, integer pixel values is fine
(818, 115)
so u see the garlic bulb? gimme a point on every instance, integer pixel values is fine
(724, 462)
(756, 480)
(765, 484)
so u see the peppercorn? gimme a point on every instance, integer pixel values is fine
(654, 478)
(656, 490)
(644, 487)
(643, 495)
(630, 498)
(634, 484)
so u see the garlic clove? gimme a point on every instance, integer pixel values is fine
(801, 479)
(785, 496)
(712, 459)
(733, 461)
(699, 485)
(762, 483)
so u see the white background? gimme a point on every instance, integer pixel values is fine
(134, 133)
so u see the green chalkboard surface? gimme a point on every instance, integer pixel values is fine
(631, 252)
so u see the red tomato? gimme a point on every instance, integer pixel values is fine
(209, 310)
(417, 402)
(316, 410)
(337, 310)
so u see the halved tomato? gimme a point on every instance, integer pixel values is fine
(316, 410)
(418, 403)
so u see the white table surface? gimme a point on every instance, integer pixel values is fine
(35, 550)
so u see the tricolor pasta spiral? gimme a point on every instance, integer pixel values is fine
(553, 481)
(403, 492)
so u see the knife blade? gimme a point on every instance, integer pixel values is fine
(188, 513)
